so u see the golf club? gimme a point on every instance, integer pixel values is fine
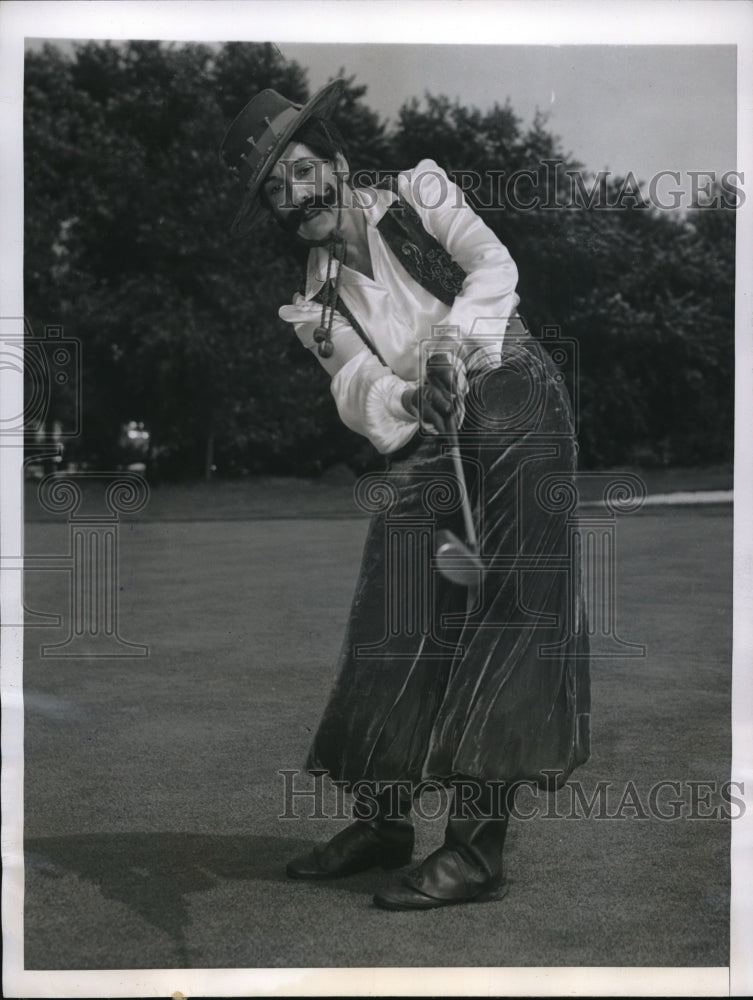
(456, 560)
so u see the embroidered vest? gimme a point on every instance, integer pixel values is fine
(422, 256)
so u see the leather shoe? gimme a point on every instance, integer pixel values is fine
(445, 878)
(358, 847)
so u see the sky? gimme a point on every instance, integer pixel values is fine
(621, 108)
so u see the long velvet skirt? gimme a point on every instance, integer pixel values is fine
(438, 680)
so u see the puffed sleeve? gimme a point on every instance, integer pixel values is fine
(487, 299)
(367, 393)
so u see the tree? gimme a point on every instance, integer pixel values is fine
(648, 297)
(127, 229)
(127, 246)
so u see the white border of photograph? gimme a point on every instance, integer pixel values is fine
(561, 22)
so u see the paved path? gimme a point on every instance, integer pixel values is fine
(153, 793)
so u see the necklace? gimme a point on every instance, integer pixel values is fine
(337, 251)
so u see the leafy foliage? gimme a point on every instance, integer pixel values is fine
(127, 215)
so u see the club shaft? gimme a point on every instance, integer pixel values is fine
(465, 499)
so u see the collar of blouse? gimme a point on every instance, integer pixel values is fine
(373, 202)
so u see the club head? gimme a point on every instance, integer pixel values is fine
(456, 561)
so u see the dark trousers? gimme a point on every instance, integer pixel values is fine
(428, 687)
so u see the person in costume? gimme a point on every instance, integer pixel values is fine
(409, 305)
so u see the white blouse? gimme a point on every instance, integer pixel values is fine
(397, 313)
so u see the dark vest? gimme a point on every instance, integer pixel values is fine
(422, 256)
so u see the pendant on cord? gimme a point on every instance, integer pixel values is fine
(322, 337)
(323, 333)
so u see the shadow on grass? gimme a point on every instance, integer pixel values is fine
(153, 873)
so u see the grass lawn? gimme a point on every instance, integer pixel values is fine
(331, 495)
(153, 791)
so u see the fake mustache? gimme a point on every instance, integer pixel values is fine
(298, 216)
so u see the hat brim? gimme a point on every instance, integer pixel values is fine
(321, 105)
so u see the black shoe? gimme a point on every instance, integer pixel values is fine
(445, 878)
(358, 847)
(466, 869)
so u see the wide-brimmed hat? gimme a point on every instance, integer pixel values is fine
(259, 134)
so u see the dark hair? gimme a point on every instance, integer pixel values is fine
(322, 137)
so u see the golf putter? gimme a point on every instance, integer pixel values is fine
(456, 560)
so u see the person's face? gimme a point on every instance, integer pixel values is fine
(303, 192)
